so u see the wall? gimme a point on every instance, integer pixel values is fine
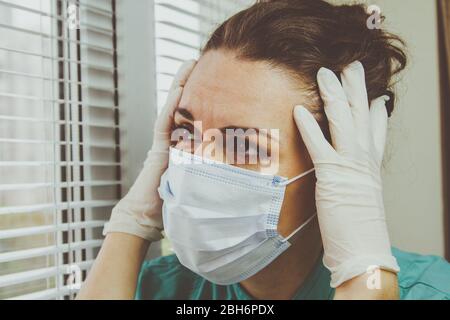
(137, 95)
(413, 165)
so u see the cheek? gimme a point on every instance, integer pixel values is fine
(298, 203)
(299, 196)
(293, 156)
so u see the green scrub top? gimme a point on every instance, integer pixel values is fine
(165, 278)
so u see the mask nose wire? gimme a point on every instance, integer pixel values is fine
(285, 183)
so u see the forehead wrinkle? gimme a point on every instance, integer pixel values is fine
(223, 91)
(214, 104)
(242, 111)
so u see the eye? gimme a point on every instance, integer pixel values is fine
(249, 146)
(183, 131)
(242, 150)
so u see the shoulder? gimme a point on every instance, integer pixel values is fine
(162, 263)
(422, 276)
(165, 278)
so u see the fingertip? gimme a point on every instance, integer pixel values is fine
(378, 108)
(183, 73)
(380, 102)
(298, 110)
(301, 113)
(324, 73)
(355, 65)
(329, 83)
(189, 63)
(354, 70)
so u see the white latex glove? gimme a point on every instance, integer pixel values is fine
(349, 197)
(139, 212)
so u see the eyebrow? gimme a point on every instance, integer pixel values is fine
(185, 113)
(188, 115)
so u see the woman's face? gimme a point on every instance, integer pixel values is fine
(224, 92)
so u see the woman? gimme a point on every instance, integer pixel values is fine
(240, 235)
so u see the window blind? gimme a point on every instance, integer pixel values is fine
(59, 142)
(181, 28)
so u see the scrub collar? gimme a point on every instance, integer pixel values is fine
(315, 287)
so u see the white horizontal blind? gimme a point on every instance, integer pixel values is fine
(182, 27)
(59, 147)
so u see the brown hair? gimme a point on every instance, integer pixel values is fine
(304, 35)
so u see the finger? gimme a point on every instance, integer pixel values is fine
(183, 74)
(164, 121)
(338, 112)
(378, 124)
(318, 147)
(354, 84)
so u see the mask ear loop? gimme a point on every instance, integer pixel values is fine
(301, 227)
(285, 183)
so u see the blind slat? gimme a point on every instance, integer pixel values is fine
(57, 38)
(72, 61)
(45, 251)
(30, 186)
(75, 123)
(62, 143)
(182, 10)
(46, 294)
(58, 163)
(58, 206)
(186, 28)
(38, 274)
(36, 98)
(21, 232)
(46, 78)
(84, 6)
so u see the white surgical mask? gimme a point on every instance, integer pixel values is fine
(222, 220)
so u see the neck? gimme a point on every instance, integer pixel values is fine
(285, 275)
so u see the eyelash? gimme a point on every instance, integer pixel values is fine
(248, 144)
(189, 128)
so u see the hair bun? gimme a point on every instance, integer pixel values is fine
(356, 20)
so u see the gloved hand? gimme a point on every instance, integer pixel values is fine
(139, 212)
(349, 197)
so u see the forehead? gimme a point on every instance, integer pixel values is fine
(225, 91)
